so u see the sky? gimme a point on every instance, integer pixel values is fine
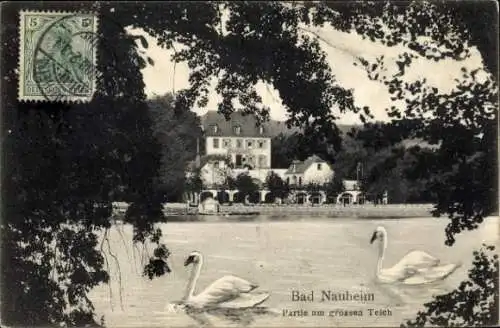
(341, 49)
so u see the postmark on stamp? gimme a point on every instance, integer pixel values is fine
(57, 58)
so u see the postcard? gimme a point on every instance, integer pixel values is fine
(249, 164)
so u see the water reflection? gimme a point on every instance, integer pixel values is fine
(301, 253)
(206, 317)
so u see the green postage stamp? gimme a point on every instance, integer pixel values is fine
(57, 56)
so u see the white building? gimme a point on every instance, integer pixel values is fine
(245, 143)
(239, 145)
(312, 170)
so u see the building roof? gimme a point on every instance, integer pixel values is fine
(226, 128)
(302, 166)
(272, 128)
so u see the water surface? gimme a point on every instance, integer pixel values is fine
(283, 254)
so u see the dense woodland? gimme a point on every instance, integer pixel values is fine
(64, 164)
(403, 169)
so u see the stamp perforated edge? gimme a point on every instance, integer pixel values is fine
(20, 63)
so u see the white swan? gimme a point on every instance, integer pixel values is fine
(228, 292)
(414, 268)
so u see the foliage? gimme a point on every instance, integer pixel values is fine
(334, 187)
(452, 28)
(285, 149)
(400, 172)
(245, 185)
(194, 182)
(64, 164)
(313, 187)
(461, 123)
(462, 126)
(231, 183)
(348, 158)
(277, 186)
(245, 48)
(473, 304)
(382, 157)
(157, 265)
(177, 132)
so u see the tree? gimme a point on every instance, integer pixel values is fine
(277, 186)
(464, 145)
(384, 174)
(313, 187)
(193, 182)
(177, 132)
(284, 150)
(246, 185)
(351, 154)
(334, 187)
(384, 159)
(229, 183)
(472, 303)
(66, 164)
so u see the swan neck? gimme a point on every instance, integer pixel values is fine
(381, 254)
(195, 274)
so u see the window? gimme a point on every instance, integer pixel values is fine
(216, 164)
(262, 143)
(227, 143)
(237, 130)
(215, 128)
(239, 143)
(294, 168)
(287, 180)
(216, 142)
(251, 160)
(249, 143)
(261, 129)
(319, 166)
(300, 181)
(239, 160)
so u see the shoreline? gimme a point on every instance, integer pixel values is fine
(183, 212)
(350, 211)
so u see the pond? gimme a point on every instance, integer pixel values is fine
(282, 255)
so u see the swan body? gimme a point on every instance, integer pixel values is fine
(228, 292)
(415, 268)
